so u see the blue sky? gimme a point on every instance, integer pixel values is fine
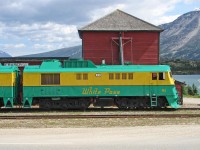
(29, 27)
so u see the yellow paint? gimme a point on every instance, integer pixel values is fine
(69, 79)
(7, 79)
(31, 79)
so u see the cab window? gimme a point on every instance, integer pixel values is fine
(161, 76)
(154, 76)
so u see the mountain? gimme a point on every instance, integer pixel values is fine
(181, 38)
(72, 52)
(4, 54)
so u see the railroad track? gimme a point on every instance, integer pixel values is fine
(17, 117)
(5, 110)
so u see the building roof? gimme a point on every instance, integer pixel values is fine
(120, 21)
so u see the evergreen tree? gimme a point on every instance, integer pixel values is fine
(185, 90)
(194, 89)
(190, 90)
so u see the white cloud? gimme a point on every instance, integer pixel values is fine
(40, 37)
(166, 19)
(51, 24)
(98, 13)
(13, 46)
(197, 9)
(46, 32)
(43, 47)
(190, 1)
(153, 11)
(50, 32)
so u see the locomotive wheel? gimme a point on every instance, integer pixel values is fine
(162, 102)
(45, 104)
(132, 102)
(121, 103)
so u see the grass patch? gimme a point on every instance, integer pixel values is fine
(190, 96)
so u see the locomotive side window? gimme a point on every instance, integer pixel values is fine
(124, 76)
(78, 76)
(117, 76)
(111, 76)
(81, 76)
(47, 79)
(154, 76)
(85, 76)
(161, 76)
(130, 76)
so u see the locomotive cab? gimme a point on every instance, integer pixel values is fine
(162, 89)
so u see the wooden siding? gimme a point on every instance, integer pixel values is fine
(140, 47)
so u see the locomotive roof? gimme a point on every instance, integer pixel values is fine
(56, 66)
(8, 68)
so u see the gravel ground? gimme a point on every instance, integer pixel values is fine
(191, 103)
(139, 138)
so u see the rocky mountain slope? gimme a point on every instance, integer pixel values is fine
(4, 54)
(181, 38)
(72, 52)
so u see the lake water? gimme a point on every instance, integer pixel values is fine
(189, 80)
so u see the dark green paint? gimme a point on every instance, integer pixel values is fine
(101, 91)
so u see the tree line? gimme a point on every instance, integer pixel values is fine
(190, 90)
(180, 67)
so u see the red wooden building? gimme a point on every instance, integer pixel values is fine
(121, 38)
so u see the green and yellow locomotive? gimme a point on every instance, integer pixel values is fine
(9, 85)
(75, 84)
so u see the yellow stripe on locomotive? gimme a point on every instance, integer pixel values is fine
(103, 78)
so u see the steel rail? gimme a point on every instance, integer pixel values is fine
(17, 117)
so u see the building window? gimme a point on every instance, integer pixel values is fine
(154, 76)
(48, 79)
(117, 76)
(161, 76)
(78, 76)
(130, 76)
(111, 76)
(124, 76)
(85, 76)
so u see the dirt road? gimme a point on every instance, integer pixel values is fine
(155, 138)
